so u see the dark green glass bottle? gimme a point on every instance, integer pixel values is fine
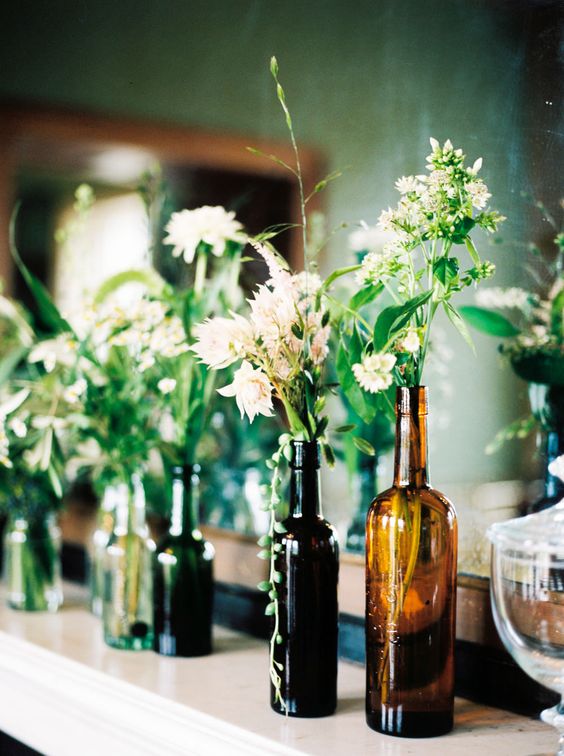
(183, 576)
(308, 609)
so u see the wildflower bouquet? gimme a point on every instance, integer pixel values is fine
(417, 268)
(534, 329)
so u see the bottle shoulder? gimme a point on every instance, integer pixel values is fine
(428, 496)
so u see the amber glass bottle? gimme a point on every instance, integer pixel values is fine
(411, 546)
(309, 563)
(183, 576)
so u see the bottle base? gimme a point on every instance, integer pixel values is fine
(410, 724)
(303, 712)
(168, 645)
(127, 643)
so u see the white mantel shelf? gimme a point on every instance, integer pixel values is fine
(63, 692)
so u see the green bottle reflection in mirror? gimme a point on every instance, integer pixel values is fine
(183, 576)
(411, 548)
(128, 593)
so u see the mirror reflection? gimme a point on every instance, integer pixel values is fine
(368, 86)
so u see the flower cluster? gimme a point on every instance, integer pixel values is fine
(374, 373)
(285, 334)
(211, 226)
(409, 257)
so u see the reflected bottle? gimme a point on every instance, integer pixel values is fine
(32, 563)
(183, 575)
(127, 615)
(411, 548)
(308, 609)
(364, 486)
(105, 522)
(547, 403)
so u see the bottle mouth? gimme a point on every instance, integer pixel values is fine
(412, 400)
(305, 453)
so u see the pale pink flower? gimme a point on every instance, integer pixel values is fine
(252, 391)
(273, 312)
(276, 264)
(222, 341)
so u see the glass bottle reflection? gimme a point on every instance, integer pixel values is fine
(309, 563)
(127, 609)
(411, 546)
(183, 576)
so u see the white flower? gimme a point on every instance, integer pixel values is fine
(367, 238)
(378, 265)
(43, 422)
(273, 312)
(374, 372)
(498, 298)
(166, 385)
(408, 184)
(4, 446)
(556, 467)
(222, 341)
(479, 194)
(18, 427)
(385, 221)
(410, 342)
(53, 352)
(475, 168)
(252, 391)
(73, 393)
(146, 362)
(211, 225)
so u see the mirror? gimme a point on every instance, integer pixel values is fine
(367, 85)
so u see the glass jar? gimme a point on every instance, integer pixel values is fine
(32, 563)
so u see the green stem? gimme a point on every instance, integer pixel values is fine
(200, 276)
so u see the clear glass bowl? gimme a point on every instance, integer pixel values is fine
(527, 591)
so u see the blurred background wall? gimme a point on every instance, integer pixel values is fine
(368, 82)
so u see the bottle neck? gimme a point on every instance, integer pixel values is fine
(130, 507)
(304, 479)
(184, 494)
(410, 467)
(553, 486)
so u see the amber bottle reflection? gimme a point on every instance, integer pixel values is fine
(309, 563)
(411, 545)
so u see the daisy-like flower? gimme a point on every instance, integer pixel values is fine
(499, 298)
(222, 341)
(166, 385)
(367, 238)
(5, 460)
(408, 184)
(410, 342)
(53, 352)
(73, 393)
(214, 226)
(252, 391)
(18, 427)
(373, 374)
(479, 194)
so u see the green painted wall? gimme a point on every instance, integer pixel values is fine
(367, 81)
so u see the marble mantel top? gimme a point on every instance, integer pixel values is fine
(63, 692)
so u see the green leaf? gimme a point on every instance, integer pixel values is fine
(264, 585)
(264, 554)
(486, 321)
(270, 609)
(150, 279)
(557, 315)
(280, 528)
(264, 540)
(445, 270)
(345, 428)
(329, 455)
(365, 296)
(274, 159)
(472, 250)
(459, 324)
(49, 315)
(392, 319)
(364, 446)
